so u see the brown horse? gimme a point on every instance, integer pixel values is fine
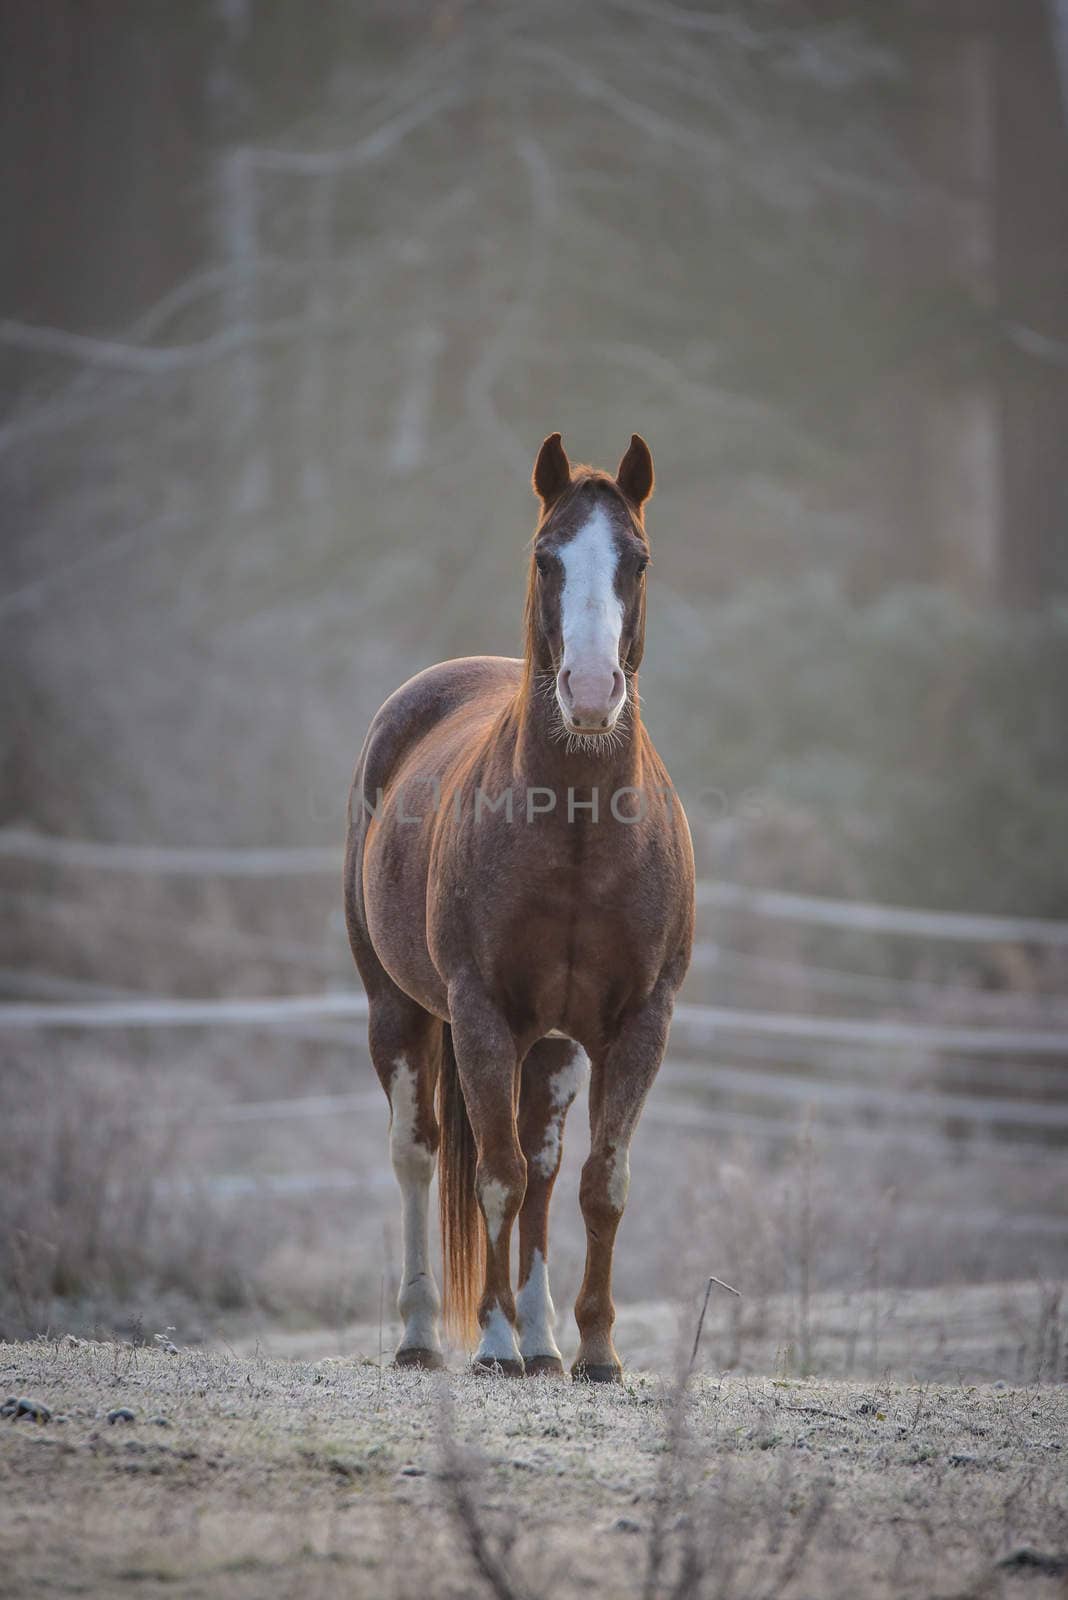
(519, 890)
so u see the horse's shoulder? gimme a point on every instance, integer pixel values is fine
(426, 700)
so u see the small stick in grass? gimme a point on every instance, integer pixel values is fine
(381, 1317)
(719, 1283)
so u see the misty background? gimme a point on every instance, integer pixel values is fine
(289, 296)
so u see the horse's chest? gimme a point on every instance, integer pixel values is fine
(562, 924)
(571, 929)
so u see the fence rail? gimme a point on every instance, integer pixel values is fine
(184, 1013)
(802, 1062)
(860, 916)
(23, 844)
(861, 1031)
(27, 845)
(709, 1020)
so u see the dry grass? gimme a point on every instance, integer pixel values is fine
(279, 1477)
(119, 1209)
(990, 1333)
(102, 1219)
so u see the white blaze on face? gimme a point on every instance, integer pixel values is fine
(591, 613)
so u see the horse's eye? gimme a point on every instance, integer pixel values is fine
(643, 562)
(542, 564)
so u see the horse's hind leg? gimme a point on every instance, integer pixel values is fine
(405, 1044)
(487, 1062)
(553, 1073)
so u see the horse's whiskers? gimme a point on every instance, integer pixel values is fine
(610, 742)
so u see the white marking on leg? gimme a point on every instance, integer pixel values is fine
(535, 1312)
(564, 1085)
(570, 1078)
(418, 1302)
(619, 1178)
(498, 1342)
(548, 1157)
(494, 1197)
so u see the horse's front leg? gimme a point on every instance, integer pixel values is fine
(621, 1077)
(487, 1060)
(553, 1073)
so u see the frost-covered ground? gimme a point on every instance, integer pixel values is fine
(274, 1477)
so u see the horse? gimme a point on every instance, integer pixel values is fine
(519, 896)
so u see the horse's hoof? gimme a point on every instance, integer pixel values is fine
(423, 1360)
(544, 1367)
(493, 1367)
(596, 1372)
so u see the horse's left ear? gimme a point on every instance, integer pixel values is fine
(635, 475)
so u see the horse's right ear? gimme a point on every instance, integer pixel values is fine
(635, 476)
(552, 471)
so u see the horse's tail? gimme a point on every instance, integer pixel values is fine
(463, 1246)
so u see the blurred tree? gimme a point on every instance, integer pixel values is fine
(295, 292)
(104, 117)
(1031, 179)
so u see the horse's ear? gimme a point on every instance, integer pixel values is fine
(635, 475)
(552, 471)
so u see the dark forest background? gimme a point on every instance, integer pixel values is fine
(290, 295)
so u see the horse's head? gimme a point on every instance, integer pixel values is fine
(587, 583)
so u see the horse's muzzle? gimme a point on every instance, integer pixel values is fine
(590, 697)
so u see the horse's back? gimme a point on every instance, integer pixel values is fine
(420, 707)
